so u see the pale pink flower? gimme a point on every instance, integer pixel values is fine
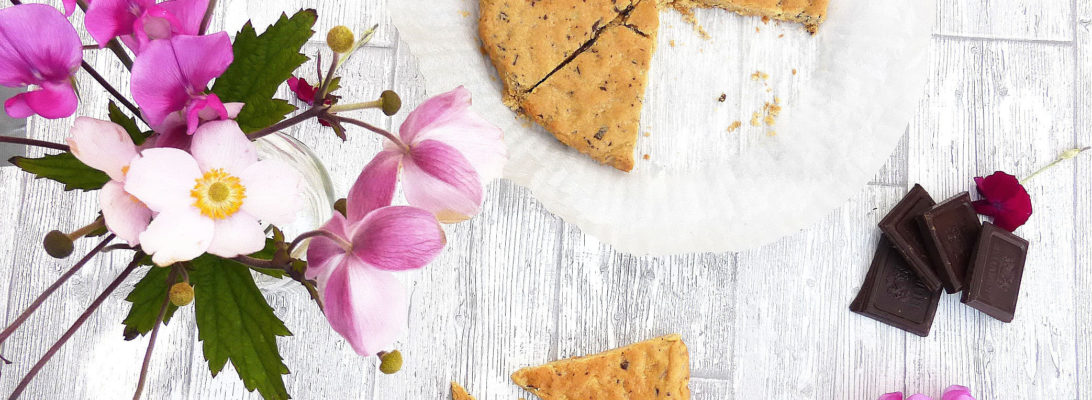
(211, 199)
(173, 76)
(138, 22)
(38, 46)
(105, 146)
(448, 153)
(363, 300)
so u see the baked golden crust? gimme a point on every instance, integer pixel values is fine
(653, 369)
(594, 103)
(527, 39)
(458, 393)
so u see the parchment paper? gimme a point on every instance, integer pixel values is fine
(852, 90)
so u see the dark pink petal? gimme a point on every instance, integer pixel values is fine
(439, 179)
(304, 91)
(1005, 199)
(69, 7)
(398, 238)
(17, 106)
(187, 13)
(956, 392)
(169, 73)
(107, 19)
(919, 397)
(204, 108)
(891, 396)
(374, 188)
(322, 252)
(53, 100)
(368, 307)
(37, 45)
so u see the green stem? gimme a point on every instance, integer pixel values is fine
(1065, 156)
(356, 106)
(155, 332)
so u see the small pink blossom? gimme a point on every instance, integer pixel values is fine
(173, 75)
(211, 199)
(954, 392)
(138, 22)
(38, 46)
(105, 146)
(363, 300)
(1005, 199)
(448, 152)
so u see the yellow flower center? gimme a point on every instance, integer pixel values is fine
(218, 194)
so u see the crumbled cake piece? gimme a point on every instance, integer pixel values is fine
(759, 75)
(646, 156)
(653, 369)
(458, 393)
(723, 97)
(734, 126)
(755, 119)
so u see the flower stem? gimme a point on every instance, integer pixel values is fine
(256, 262)
(320, 95)
(109, 88)
(311, 112)
(52, 288)
(114, 44)
(155, 332)
(372, 128)
(356, 106)
(33, 142)
(1068, 154)
(208, 17)
(320, 232)
(75, 326)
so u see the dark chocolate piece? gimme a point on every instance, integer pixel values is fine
(893, 294)
(901, 226)
(993, 281)
(951, 231)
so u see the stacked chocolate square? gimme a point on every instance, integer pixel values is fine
(927, 248)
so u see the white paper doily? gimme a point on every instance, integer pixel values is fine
(846, 102)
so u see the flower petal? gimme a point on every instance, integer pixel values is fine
(50, 101)
(125, 216)
(168, 72)
(481, 142)
(398, 238)
(37, 45)
(107, 19)
(322, 253)
(368, 307)
(204, 108)
(1005, 199)
(956, 392)
(162, 178)
(102, 145)
(177, 235)
(919, 397)
(17, 106)
(221, 144)
(69, 7)
(439, 179)
(235, 235)
(375, 186)
(187, 13)
(272, 191)
(891, 396)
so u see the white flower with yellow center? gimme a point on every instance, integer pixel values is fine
(212, 199)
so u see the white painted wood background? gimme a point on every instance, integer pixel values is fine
(1010, 87)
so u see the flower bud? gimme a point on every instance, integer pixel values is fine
(391, 102)
(1072, 153)
(57, 244)
(181, 294)
(390, 362)
(340, 39)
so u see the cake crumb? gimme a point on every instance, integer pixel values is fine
(769, 120)
(771, 133)
(647, 134)
(757, 29)
(776, 100)
(723, 96)
(672, 43)
(769, 89)
(755, 116)
(734, 126)
(781, 36)
(464, 13)
(794, 71)
(688, 16)
(646, 156)
(759, 75)
(765, 19)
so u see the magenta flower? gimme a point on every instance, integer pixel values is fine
(105, 146)
(138, 22)
(954, 392)
(173, 76)
(1006, 200)
(69, 7)
(362, 299)
(211, 199)
(172, 132)
(303, 90)
(38, 46)
(448, 153)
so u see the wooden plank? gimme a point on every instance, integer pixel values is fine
(894, 171)
(710, 389)
(1083, 206)
(608, 300)
(358, 15)
(795, 336)
(1023, 117)
(1038, 20)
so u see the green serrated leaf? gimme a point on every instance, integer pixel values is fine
(262, 63)
(127, 122)
(234, 323)
(146, 299)
(63, 168)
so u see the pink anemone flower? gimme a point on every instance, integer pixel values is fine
(105, 146)
(211, 199)
(363, 300)
(38, 46)
(448, 153)
(173, 75)
(138, 22)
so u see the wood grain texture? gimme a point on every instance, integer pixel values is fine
(1010, 86)
(1035, 20)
